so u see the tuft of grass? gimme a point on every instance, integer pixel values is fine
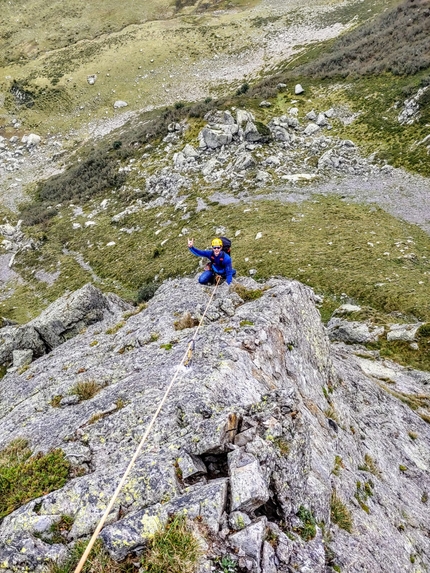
(114, 329)
(403, 468)
(120, 403)
(173, 549)
(55, 401)
(362, 494)
(244, 323)
(283, 446)
(330, 412)
(370, 466)
(413, 435)
(186, 321)
(339, 513)
(338, 465)
(308, 530)
(86, 390)
(58, 531)
(247, 294)
(24, 476)
(226, 564)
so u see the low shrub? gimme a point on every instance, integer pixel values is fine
(308, 530)
(147, 291)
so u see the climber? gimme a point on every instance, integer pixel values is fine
(220, 262)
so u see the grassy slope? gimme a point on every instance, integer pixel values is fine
(144, 55)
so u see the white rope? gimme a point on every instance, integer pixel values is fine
(139, 448)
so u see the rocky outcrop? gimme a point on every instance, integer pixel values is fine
(62, 320)
(291, 449)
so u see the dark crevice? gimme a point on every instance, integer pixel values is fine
(216, 464)
(271, 509)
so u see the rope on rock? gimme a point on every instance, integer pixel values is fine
(185, 360)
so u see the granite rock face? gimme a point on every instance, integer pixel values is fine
(62, 320)
(268, 427)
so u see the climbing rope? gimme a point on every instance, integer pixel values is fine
(186, 359)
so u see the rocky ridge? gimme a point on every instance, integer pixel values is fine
(271, 428)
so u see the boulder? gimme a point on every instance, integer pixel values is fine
(119, 104)
(298, 89)
(213, 138)
(311, 129)
(405, 332)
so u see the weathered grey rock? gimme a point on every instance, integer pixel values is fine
(353, 331)
(268, 559)
(119, 104)
(311, 116)
(321, 120)
(243, 116)
(213, 138)
(91, 79)
(311, 129)
(269, 371)
(244, 161)
(284, 547)
(298, 89)
(19, 338)
(191, 465)
(189, 151)
(265, 103)
(346, 309)
(248, 486)
(71, 313)
(403, 332)
(239, 520)
(21, 358)
(31, 140)
(209, 166)
(250, 541)
(135, 530)
(251, 132)
(280, 133)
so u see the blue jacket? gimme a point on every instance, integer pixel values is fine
(221, 263)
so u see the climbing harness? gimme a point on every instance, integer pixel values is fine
(186, 359)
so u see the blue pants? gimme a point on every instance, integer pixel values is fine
(208, 277)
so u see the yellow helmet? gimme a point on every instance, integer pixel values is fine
(217, 242)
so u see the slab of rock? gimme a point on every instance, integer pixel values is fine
(250, 540)
(248, 486)
(136, 529)
(191, 465)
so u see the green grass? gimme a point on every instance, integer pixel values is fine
(308, 529)
(173, 549)
(24, 476)
(339, 513)
(325, 247)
